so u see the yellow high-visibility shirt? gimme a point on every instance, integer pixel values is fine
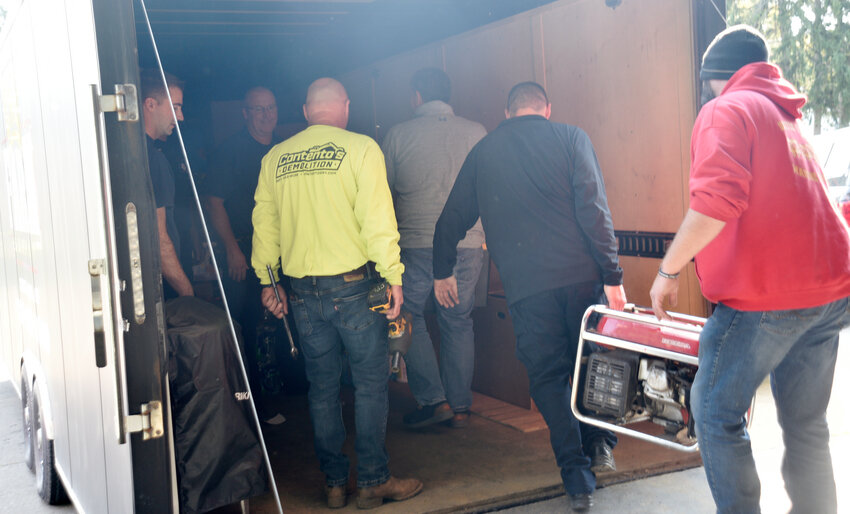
(323, 207)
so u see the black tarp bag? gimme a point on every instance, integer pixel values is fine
(219, 457)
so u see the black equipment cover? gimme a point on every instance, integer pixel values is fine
(219, 457)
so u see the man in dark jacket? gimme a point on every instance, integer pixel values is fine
(539, 191)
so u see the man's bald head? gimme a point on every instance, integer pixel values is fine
(327, 103)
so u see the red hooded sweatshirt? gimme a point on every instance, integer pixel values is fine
(784, 245)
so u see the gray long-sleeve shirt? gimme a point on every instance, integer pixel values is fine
(423, 158)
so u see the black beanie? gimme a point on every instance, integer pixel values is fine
(731, 50)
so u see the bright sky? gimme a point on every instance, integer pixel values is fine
(7, 6)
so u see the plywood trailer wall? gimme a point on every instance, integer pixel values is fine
(624, 75)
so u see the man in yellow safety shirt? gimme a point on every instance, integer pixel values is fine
(323, 207)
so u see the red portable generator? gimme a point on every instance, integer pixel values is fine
(646, 374)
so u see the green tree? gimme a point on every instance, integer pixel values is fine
(810, 41)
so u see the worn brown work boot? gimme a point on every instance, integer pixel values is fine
(337, 496)
(397, 489)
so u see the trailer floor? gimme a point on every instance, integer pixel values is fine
(485, 466)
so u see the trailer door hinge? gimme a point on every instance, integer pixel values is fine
(125, 102)
(148, 422)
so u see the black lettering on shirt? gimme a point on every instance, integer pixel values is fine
(320, 159)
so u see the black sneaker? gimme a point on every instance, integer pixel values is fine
(601, 457)
(581, 502)
(428, 415)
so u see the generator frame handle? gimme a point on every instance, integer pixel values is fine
(636, 313)
(688, 323)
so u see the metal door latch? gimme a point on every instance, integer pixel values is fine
(97, 267)
(125, 102)
(148, 422)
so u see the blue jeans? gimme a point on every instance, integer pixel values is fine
(738, 349)
(547, 327)
(332, 317)
(457, 342)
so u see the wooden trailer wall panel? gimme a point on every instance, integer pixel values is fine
(625, 75)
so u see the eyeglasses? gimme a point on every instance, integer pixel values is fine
(259, 109)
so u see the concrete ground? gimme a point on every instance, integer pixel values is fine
(17, 483)
(672, 492)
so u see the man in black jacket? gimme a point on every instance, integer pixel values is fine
(539, 191)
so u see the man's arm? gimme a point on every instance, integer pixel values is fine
(696, 232)
(265, 246)
(236, 263)
(459, 215)
(373, 208)
(719, 192)
(171, 269)
(594, 217)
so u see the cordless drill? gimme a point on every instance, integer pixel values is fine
(380, 300)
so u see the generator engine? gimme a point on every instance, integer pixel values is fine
(643, 372)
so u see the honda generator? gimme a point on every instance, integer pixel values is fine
(643, 372)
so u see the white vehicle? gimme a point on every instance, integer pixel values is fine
(81, 313)
(79, 278)
(833, 149)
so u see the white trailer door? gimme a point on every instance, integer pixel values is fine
(134, 268)
(70, 176)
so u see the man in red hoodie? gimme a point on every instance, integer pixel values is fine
(773, 254)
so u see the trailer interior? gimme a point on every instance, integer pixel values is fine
(622, 70)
